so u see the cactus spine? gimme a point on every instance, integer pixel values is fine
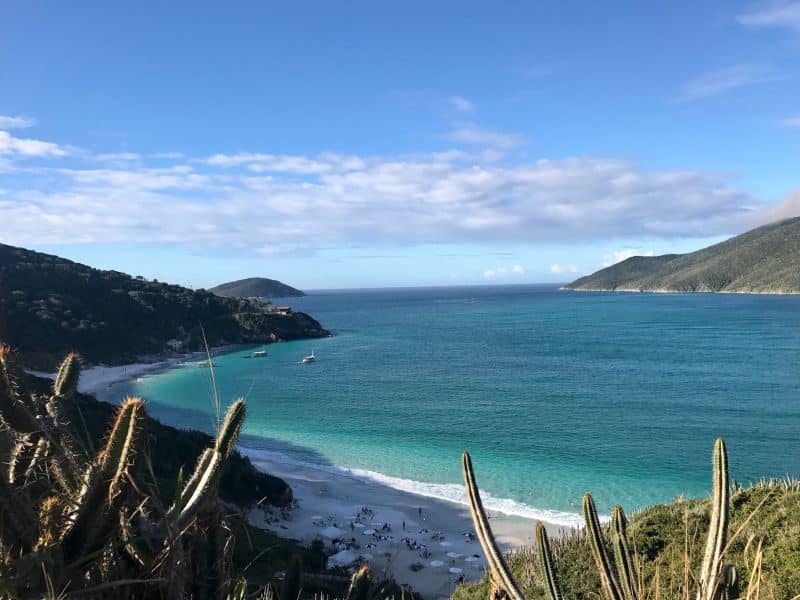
(711, 571)
(546, 563)
(500, 573)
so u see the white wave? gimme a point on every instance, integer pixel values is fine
(449, 492)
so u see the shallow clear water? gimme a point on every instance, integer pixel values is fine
(554, 393)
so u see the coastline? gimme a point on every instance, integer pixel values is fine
(669, 291)
(329, 506)
(437, 542)
(99, 377)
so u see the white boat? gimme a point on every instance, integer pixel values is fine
(259, 354)
(309, 358)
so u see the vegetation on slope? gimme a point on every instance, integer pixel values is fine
(50, 306)
(763, 260)
(742, 543)
(256, 287)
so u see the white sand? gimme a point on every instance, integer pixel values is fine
(338, 500)
(99, 377)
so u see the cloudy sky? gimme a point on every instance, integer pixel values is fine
(361, 144)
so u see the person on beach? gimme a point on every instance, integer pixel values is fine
(404, 525)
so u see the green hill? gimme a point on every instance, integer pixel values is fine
(763, 260)
(256, 287)
(50, 306)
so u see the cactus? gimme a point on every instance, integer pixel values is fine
(95, 511)
(69, 372)
(360, 584)
(711, 571)
(229, 430)
(623, 556)
(610, 583)
(501, 576)
(546, 563)
(69, 522)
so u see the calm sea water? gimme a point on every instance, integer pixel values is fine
(554, 393)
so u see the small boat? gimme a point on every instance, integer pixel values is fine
(309, 358)
(259, 354)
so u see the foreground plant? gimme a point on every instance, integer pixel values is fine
(73, 521)
(621, 576)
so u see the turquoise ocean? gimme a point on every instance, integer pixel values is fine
(554, 393)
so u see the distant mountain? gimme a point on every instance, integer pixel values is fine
(763, 260)
(256, 287)
(50, 306)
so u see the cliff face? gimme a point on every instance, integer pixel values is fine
(50, 306)
(765, 260)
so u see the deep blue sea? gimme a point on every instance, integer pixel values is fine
(554, 393)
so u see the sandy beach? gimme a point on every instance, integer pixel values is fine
(100, 377)
(438, 538)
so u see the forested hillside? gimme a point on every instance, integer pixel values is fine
(50, 306)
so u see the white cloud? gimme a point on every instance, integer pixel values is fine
(784, 14)
(461, 104)
(8, 122)
(624, 254)
(10, 145)
(559, 269)
(504, 272)
(791, 122)
(469, 133)
(724, 80)
(297, 203)
(118, 157)
(167, 155)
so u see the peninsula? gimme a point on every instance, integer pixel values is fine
(762, 261)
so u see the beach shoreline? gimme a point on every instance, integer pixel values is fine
(390, 529)
(433, 533)
(97, 378)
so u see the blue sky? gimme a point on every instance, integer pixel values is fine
(362, 144)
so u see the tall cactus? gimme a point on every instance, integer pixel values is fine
(594, 533)
(623, 557)
(711, 570)
(498, 569)
(546, 563)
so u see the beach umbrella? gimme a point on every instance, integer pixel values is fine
(445, 544)
(345, 558)
(436, 563)
(472, 559)
(331, 533)
(359, 525)
(368, 532)
(456, 570)
(454, 555)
